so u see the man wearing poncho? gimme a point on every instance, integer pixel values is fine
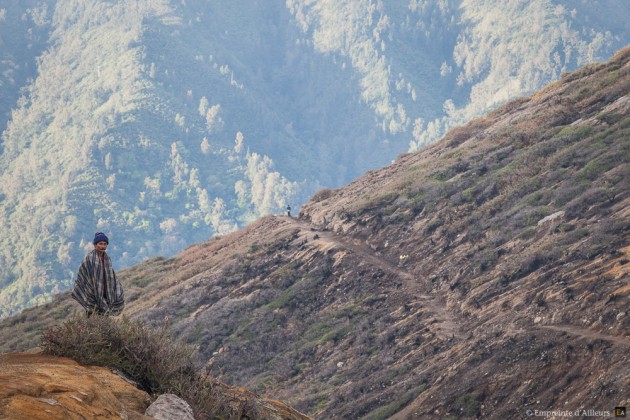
(96, 287)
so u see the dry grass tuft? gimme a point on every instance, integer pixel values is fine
(147, 356)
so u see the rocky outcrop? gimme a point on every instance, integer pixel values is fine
(36, 386)
(43, 387)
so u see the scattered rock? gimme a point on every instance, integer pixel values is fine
(551, 218)
(170, 407)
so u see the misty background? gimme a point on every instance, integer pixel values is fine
(164, 123)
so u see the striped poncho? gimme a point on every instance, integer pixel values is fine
(89, 289)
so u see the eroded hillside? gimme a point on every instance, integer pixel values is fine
(483, 276)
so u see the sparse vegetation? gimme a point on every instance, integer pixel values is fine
(469, 404)
(149, 357)
(388, 410)
(322, 195)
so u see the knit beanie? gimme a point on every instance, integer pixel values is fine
(100, 237)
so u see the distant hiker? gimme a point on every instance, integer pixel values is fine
(96, 287)
(289, 211)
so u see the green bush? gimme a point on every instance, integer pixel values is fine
(148, 356)
(469, 404)
(433, 225)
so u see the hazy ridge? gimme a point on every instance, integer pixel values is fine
(164, 123)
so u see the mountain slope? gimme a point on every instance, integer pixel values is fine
(485, 275)
(163, 123)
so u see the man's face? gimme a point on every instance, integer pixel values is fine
(101, 246)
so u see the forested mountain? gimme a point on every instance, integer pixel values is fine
(484, 276)
(162, 123)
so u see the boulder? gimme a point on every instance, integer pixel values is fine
(170, 407)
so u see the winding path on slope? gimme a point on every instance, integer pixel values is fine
(445, 322)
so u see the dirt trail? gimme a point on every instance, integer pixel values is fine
(445, 322)
(593, 335)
